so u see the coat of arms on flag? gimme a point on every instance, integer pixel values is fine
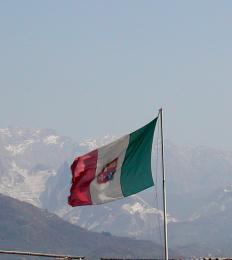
(107, 173)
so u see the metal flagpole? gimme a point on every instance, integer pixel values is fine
(164, 187)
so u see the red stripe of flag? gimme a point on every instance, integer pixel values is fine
(83, 172)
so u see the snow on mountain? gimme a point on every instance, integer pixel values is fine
(19, 148)
(28, 157)
(25, 185)
(128, 217)
(144, 209)
(51, 139)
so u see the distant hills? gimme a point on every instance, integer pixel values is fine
(210, 234)
(34, 167)
(27, 228)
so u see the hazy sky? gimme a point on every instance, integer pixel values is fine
(88, 68)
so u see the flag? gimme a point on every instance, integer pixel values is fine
(114, 171)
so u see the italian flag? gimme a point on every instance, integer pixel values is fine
(114, 171)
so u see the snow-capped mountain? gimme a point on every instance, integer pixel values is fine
(131, 216)
(34, 167)
(28, 157)
(193, 174)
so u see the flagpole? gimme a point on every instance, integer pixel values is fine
(164, 187)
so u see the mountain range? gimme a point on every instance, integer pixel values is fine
(34, 167)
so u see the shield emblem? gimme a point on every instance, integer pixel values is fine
(107, 173)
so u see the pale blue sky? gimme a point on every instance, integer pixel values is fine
(88, 68)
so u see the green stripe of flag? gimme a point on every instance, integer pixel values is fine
(136, 172)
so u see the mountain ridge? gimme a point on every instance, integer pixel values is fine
(37, 171)
(27, 228)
